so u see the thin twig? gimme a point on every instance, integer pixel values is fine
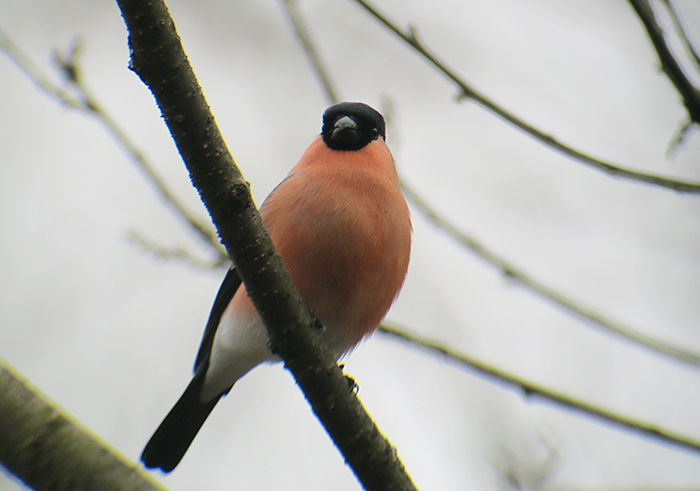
(682, 34)
(34, 73)
(178, 254)
(206, 233)
(673, 69)
(302, 34)
(467, 91)
(544, 291)
(85, 101)
(531, 389)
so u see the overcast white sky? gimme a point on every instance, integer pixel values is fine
(110, 333)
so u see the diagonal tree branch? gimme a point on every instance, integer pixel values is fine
(45, 449)
(531, 389)
(160, 61)
(467, 91)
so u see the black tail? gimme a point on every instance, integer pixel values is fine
(173, 437)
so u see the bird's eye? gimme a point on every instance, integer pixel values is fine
(374, 133)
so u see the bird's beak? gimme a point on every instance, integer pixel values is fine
(345, 131)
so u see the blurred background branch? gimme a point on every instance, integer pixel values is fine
(529, 389)
(558, 299)
(78, 96)
(296, 20)
(682, 33)
(48, 451)
(670, 65)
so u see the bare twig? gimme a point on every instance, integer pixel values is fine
(81, 98)
(302, 34)
(673, 69)
(178, 254)
(681, 33)
(544, 291)
(530, 389)
(35, 75)
(467, 91)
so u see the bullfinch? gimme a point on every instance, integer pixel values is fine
(343, 230)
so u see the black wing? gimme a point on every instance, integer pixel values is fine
(227, 290)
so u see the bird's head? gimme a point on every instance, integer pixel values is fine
(351, 126)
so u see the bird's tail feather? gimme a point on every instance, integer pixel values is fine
(173, 437)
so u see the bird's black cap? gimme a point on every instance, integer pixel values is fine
(351, 126)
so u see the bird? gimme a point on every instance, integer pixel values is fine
(343, 230)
